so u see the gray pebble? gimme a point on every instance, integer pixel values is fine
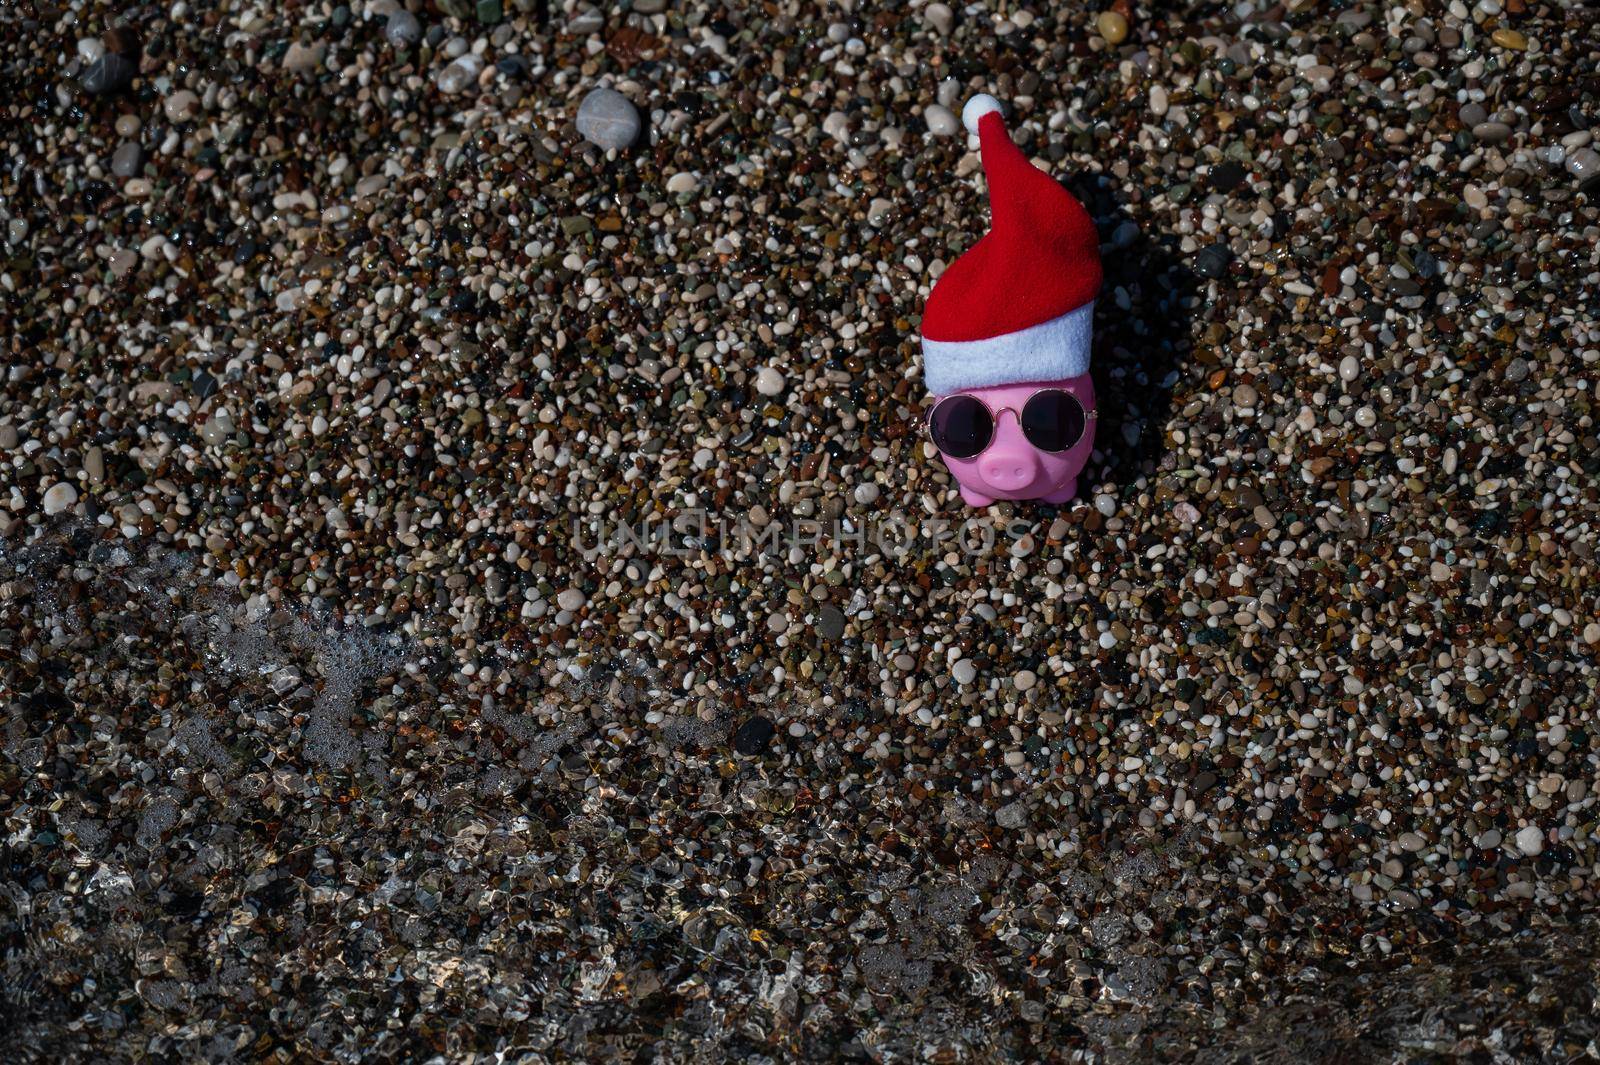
(942, 121)
(1471, 114)
(402, 29)
(459, 74)
(128, 159)
(608, 119)
(586, 21)
(1492, 132)
(1583, 164)
(1012, 816)
(830, 623)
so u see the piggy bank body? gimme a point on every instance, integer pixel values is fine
(1011, 467)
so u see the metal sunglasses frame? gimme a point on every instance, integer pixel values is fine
(1089, 414)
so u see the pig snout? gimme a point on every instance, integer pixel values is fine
(1010, 468)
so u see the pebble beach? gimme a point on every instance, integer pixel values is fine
(337, 724)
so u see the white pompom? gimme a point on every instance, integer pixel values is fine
(980, 105)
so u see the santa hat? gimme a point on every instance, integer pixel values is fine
(1019, 304)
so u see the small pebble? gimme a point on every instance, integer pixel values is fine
(769, 381)
(964, 672)
(1492, 132)
(128, 159)
(830, 622)
(586, 21)
(942, 122)
(1530, 840)
(110, 73)
(1112, 26)
(459, 73)
(754, 736)
(303, 58)
(402, 30)
(59, 497)
(1212, 262)
(1583, 164)
(608, 119)
(180, 106)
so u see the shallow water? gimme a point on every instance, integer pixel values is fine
(497, 873)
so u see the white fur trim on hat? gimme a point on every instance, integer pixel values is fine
(975, 108)
(1049, 351)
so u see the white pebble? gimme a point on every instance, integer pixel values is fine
(59, 497)
(942, 121)
(964, 671)
(1530, 840)
(769, 382)
(571, 599)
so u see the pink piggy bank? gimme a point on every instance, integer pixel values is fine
(1027, 441)
(1007, 333)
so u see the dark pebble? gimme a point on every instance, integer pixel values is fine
(1212, 261)
(753, 736)
(1226, 177)
(110, 73)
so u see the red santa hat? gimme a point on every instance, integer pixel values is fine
(1018, 305)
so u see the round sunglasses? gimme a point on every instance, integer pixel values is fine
(1052, 420)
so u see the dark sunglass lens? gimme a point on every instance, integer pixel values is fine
(1053, 420)
(961, 426)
